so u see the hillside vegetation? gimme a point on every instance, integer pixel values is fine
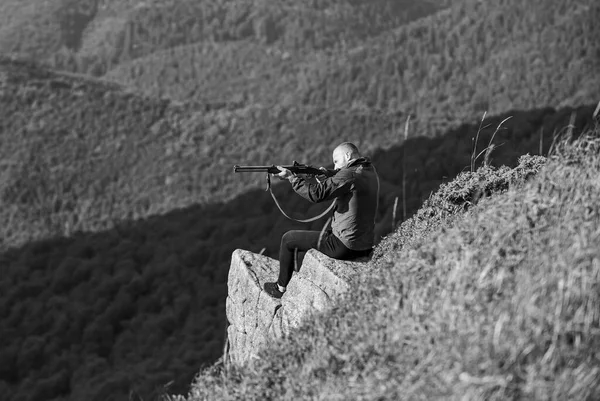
(498, 303)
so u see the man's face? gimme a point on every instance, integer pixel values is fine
(339, 159)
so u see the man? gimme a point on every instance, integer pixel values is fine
(355, 188)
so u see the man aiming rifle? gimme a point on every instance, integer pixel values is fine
(355, 189)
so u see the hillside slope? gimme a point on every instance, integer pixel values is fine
(500, 303)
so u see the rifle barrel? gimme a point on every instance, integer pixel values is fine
(296, 168)
(255, 169)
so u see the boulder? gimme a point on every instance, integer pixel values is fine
(249, 308)
(255, 318)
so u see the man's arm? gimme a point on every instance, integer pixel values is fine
(327, 189)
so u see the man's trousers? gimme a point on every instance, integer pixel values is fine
(303, 240)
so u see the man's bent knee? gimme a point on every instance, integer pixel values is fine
(287, 238)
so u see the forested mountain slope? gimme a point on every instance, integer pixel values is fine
(475, 56)
(444, 69)
(92, 36)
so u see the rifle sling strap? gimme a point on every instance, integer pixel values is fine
(291, 218)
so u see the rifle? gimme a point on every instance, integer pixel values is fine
(295, 168)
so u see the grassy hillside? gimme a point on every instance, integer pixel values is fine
(497, 303)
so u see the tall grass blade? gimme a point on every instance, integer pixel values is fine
(488, 150)
(406, 125)
(394, 213)
(476, 140)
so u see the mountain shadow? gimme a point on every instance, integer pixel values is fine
(135, 311)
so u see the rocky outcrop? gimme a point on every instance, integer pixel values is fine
(255, 319)
(250, 310)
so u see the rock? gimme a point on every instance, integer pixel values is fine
(314, 288)
(256, 319)
(249, 309)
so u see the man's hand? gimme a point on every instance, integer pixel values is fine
(285, 173)
(321, 177)
(328, 172)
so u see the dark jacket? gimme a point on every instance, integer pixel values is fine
(355, 189)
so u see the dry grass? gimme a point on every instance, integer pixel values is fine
(501, 303)
(489, 149)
